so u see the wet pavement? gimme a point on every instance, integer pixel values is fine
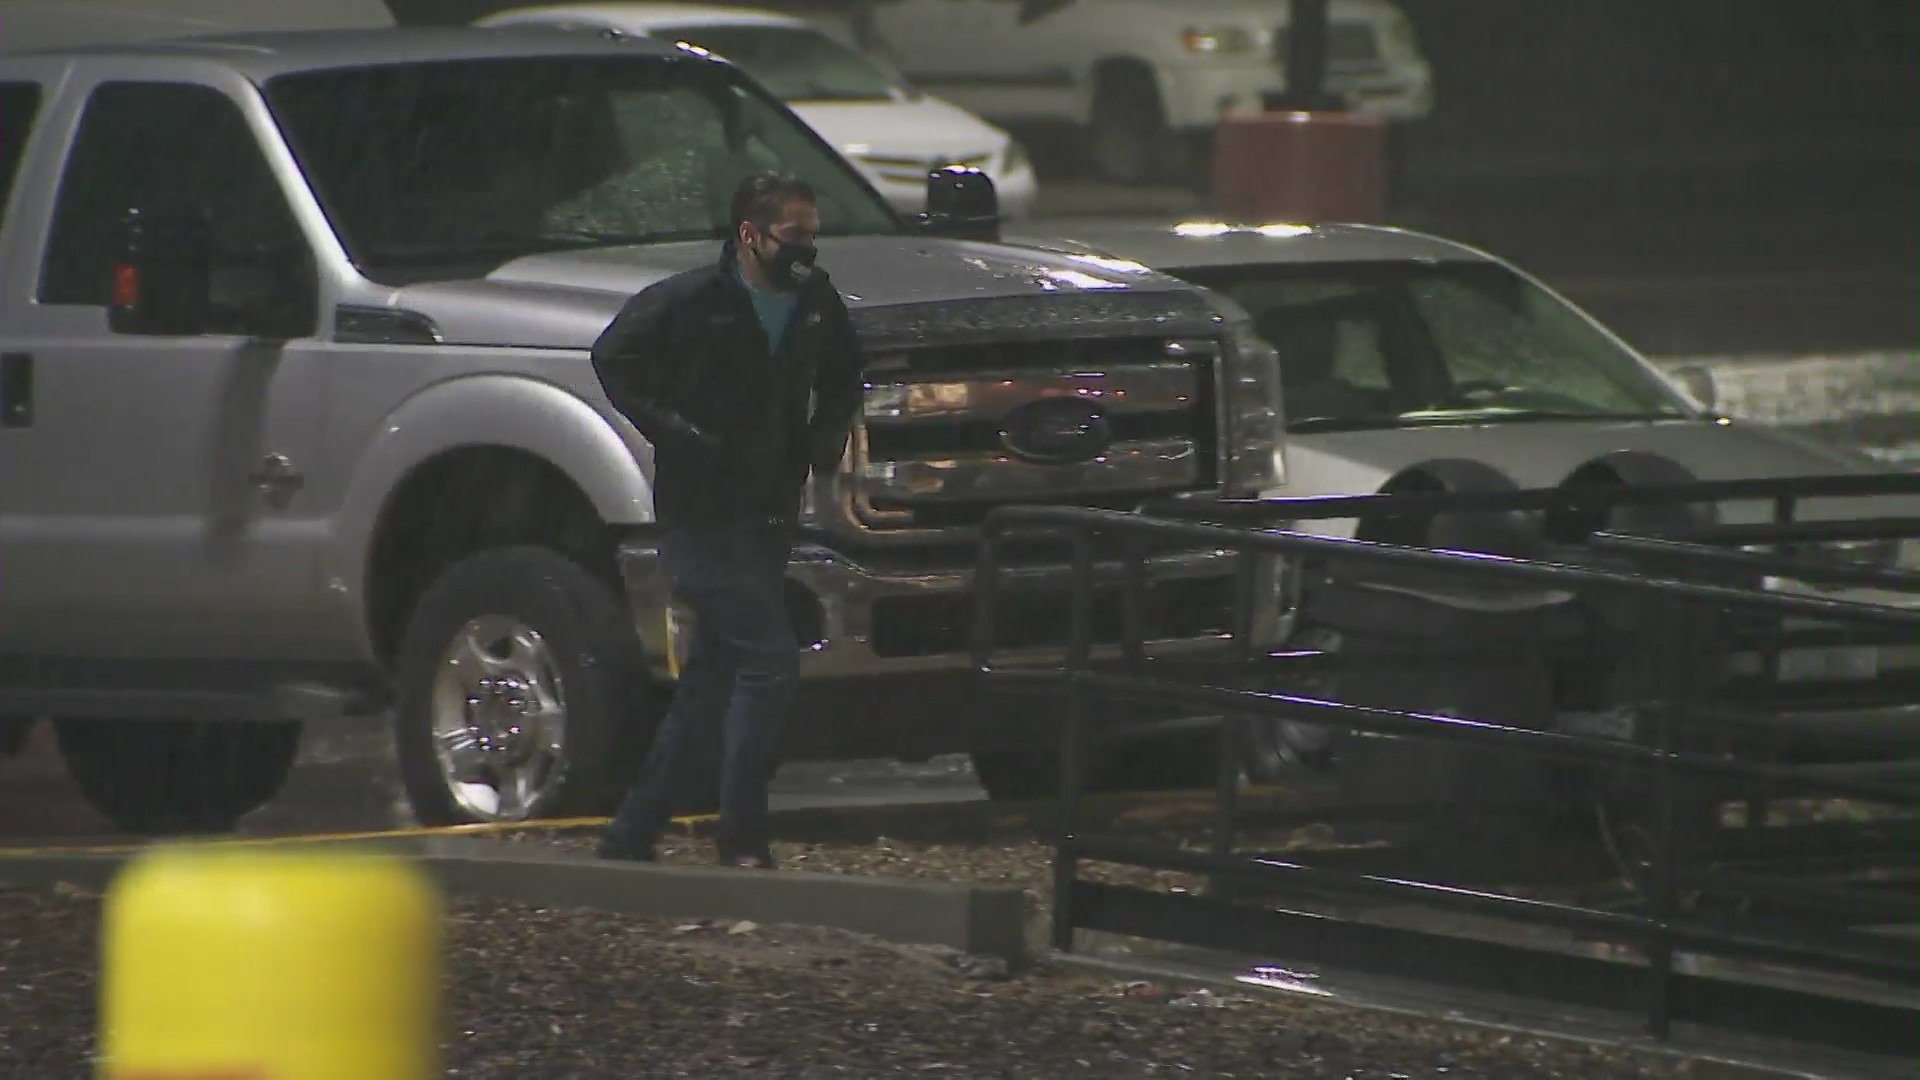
(345, 782)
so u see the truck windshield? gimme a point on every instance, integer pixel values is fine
(447, 163)
(1386, 345)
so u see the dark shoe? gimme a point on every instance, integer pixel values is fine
(623, 851)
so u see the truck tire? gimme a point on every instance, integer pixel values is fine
(154, 777)
(1127, 138)
(521, 691)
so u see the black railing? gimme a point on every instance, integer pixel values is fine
(1681, 743)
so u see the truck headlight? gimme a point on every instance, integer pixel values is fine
(1883, 554)
(1879, 554)
(1015, 158)
(1250, 380)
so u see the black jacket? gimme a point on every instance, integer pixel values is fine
(687, 361)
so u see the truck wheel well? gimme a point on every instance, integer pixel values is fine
(465, 501)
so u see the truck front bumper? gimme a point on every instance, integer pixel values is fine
(854, 620)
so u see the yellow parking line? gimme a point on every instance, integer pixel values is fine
(489, 828)
(492, 828)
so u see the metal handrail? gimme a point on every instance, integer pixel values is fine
(1780, 490)
(1080, 521)
(1677, 601)
(1672, 550)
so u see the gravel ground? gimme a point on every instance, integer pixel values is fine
(565, 994)
(1015, 858)
(1018, 862)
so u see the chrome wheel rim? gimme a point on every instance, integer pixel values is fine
(500, 720)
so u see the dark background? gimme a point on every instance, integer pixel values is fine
(1713, 176)
(1673, 78)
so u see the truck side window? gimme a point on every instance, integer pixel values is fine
(19, 105)
(165, 148)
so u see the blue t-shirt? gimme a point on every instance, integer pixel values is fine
(773, 308)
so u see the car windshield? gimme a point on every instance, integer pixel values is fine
(1367, 346)
(794, 63)
(423, 165)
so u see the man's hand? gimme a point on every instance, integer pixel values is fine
(671, 425)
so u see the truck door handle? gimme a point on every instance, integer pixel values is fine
(16, 390)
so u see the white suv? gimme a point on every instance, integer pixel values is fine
(1141, 77)
(890, 131)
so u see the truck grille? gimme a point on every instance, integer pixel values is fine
(950, 432)
(1352, 49)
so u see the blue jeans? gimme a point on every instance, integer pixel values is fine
(741, 668)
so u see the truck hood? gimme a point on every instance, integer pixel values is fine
(1537, 455)
(895, 286)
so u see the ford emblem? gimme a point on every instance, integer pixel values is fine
(1056, 431)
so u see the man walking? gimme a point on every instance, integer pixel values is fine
(716, 367)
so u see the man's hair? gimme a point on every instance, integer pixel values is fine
(760, 197)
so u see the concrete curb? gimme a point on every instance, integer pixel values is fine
(979, 919)
(1700, 1063)
(979, 819)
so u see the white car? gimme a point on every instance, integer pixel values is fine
(1145, 81)
(893, 133)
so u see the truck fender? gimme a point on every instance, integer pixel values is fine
(508, 411)
(1631, 468)
(1500, 534)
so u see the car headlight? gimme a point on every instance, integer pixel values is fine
(1015, 158)
(1888, 554)
(1211, 40)
(1876, 554)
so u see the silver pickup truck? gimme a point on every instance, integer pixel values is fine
(297, 418)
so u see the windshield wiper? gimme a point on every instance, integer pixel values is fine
(593, 238)
(1501, 415)
(514, 247)
(1310, 424)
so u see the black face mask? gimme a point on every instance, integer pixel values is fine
(789, 266)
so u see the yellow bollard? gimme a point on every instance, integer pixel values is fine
(251, 965)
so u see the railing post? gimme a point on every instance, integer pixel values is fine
(1226, 780)
(986, 580)
(1133, 582)
(1073, 741)
(1678, 685)
(1784, 505)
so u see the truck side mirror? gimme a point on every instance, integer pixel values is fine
(961, 203)
(1698, 382)
(161, 274)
